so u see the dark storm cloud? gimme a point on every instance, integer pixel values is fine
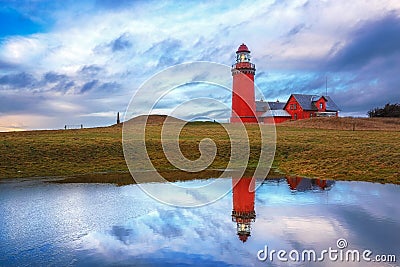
(362, 73)
(361, 97)
(18, 80)
(374, 39)
(373, 59)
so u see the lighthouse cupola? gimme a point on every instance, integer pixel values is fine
(243, 54)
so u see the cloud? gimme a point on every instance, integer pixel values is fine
(296, 29)
(102, 51)
(17, 103)
(110, 4)
(53, 77)
(6, 65)
(169, 50)
(167, 223)
(25, 121)
(90, 70)
(89, 86)
(19, 80)
(284, 221)
(372, 40)
(109, 87)
(121, 43)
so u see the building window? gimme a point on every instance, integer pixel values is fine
(293, 106)
(321, 105)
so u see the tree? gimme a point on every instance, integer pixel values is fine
(389, 110)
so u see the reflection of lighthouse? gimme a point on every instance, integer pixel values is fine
(243, 205)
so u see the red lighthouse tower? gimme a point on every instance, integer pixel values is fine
(243, 99)
(243, 206)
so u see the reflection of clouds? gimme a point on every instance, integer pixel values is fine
(380, 234)
(167, 223)
(300, 221)
(121, 233)
(188, 194)
(200, 233)
(379, 200)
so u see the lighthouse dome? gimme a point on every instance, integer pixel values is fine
(243, 48)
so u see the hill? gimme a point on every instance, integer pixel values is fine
(151, 119)
(304, 148)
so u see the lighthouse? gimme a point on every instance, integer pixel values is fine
(243, 99)
(243, 206)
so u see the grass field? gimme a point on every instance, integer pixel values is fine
(322, 148)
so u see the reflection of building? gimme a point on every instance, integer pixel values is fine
(243, 205)
(305, 184)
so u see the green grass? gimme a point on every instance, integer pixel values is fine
(83, 154)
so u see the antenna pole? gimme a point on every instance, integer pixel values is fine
(326, 85)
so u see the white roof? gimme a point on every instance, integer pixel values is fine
(276, 113)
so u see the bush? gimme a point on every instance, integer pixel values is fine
(389, 110)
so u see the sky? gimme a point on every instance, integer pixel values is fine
(80, 62)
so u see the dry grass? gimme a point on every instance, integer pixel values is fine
(57, 153)
(95, 155)
(357, 124)
(341, 155)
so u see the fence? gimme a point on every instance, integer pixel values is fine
(73, 126)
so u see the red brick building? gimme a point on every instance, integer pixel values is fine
(297, 107)
(307, 106)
